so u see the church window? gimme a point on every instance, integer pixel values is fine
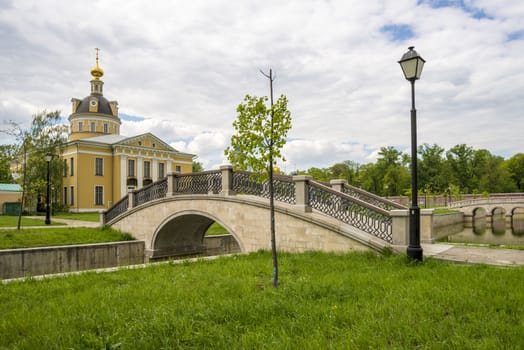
(65, 168)
(99, 195)
(154, 145)
(65, 195)
(72, 193)
(106, 128)
(147, 169)
(140, 143)
(161, 170)
(131, 168)
(99, 166)
(71, 166)
(80, 126)
(178, 169)
(93, 127)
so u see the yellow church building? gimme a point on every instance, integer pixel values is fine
(100, 165)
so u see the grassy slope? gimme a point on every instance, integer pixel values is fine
(93, 217)
(12, 221)
(352, 301)
(10, 239)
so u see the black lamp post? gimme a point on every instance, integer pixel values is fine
(412, 65)
(48, 158)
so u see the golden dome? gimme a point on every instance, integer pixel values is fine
(96, 71)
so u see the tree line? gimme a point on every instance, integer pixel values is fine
(461, 169)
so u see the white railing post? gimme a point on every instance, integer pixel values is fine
(338, 184)
(426, 225)
(400, 226)
(131, 200)
(171, 186)
(227, 180)
(302, 192)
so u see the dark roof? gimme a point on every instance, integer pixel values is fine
(103, 105)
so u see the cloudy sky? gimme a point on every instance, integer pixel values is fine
(179, 68)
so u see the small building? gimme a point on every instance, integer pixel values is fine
(100, 165)
(10, 198)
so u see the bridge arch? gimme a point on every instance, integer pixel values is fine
(498, 220)
(517, 221)
(182, 233)
(479, 220)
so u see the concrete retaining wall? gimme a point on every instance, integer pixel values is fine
(220, 244)
(447, 224)
(16, 263)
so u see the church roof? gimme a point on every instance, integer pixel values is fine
(103, 105)
(115, 140)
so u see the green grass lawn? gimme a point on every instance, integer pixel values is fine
(216, 229)
(26, 238)
(12, 221)
(93, 217)
(325, 301)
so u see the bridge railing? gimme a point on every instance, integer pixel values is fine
(351, 210)
(204, 182)
(154, 191)
(245, 182)
(120, 207)
(373, 199)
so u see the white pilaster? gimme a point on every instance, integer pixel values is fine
(139, 171)
(123, 175)
(154, 172)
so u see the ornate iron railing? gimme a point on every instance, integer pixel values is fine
(371, 198)
(199, 183)
(117, 209)
(245, 182)
(353, 211)
(154, 191)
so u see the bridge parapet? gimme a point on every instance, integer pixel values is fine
(486, 202)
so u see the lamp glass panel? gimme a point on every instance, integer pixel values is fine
(409, 67)
(420, 65)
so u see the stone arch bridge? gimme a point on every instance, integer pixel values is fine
(496, 214)
(172, 215)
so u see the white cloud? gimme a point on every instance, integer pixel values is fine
(185, 66)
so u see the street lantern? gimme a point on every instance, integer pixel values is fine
(412, 64)
(48, 157)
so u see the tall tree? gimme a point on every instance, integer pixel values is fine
(515, 167)
(460, 159)
(260, 134)
(7, 155)
(431, 168)
(197, 167)
(392, 173)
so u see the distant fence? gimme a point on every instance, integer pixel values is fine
(430, 200)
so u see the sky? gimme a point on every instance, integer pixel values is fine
(179, 69)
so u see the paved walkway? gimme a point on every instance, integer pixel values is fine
(474, 255)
